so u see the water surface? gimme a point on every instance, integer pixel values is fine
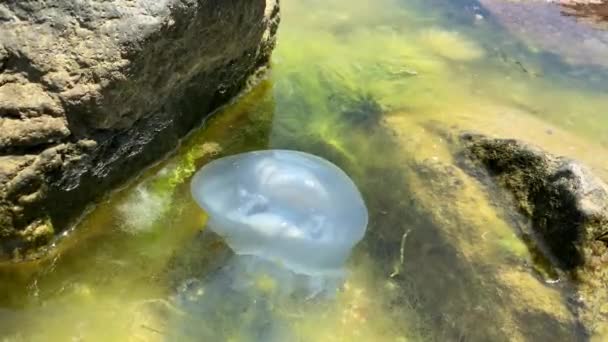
(381, 88)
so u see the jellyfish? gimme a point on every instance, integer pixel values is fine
(291, 219)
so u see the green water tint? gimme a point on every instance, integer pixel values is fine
(381, 88)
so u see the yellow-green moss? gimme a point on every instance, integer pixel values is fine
(451, 45)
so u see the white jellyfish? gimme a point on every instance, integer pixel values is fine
(289, 217)
(285, 206)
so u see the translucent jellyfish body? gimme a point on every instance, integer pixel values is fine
(290, 207)
(291, 219)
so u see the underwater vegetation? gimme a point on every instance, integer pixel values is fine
(451, 45)
(151, 201)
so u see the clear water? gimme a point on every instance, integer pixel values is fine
(381, 88)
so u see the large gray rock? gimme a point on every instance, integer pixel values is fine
(566, 203)
(92, 91)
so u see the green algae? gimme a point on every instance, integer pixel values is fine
(103, 271)
(451, 45)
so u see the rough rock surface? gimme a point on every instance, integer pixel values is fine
(93, 91)
(567, 205)
(593, 11)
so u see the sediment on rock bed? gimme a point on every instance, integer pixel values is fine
(92, 93)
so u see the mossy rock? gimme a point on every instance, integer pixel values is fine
(566, 203)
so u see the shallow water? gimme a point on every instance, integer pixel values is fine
(381, 88)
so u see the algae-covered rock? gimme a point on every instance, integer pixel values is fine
(93, 91)
(567, 204)
(484, 240)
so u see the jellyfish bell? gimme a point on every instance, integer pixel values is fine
(289, 207)
(292, 220)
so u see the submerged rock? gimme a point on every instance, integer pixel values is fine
(511, 295)
(567, 204)
(549, 26)
(594, 12)
(91, 92)
(568, 210)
